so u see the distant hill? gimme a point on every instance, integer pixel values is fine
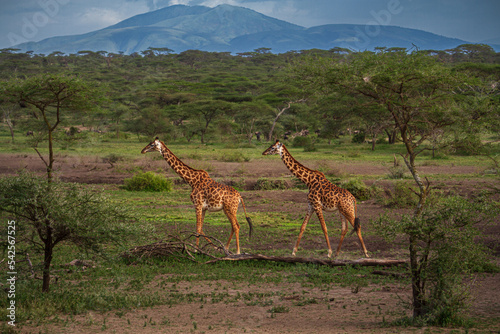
(233, 29)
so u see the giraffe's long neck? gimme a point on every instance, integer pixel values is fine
(301, 172)
(188, 174)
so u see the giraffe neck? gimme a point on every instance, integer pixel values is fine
(301, 172)
(188, 174)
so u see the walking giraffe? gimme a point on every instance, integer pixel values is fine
(206, 194)
(323, 195)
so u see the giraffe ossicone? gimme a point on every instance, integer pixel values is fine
(206, 194)
(322, 196)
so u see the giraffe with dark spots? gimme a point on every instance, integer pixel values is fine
(207, 195)
(323, 196)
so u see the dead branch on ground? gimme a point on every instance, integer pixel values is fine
(183, 247)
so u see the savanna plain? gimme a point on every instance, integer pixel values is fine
(184, 293)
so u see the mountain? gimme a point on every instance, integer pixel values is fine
(348, 36)
(227, 28)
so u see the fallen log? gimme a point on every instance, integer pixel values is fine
(366, 262)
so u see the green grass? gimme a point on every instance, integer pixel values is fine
(116, 283)
(126, 284)
(103, 145)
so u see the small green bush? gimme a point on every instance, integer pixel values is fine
(401, 197)
(310, 148)
(358, 138)
(236, 156)
(396, 172)
(358, 188)
(267, 184)
(148, 181)
(301, 141)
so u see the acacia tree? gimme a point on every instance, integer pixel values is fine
(249, 116)
(204, 113)
(418, 95)
(49, 214)
(50, 97)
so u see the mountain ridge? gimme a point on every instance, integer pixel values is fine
(234, 29)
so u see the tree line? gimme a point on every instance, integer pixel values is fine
(203, 96)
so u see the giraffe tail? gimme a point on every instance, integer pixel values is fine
(249, 220)
(357, 223)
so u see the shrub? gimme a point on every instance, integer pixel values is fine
(359, 138)
(50, 214)
(236, 156)
(301, 141)
(310, 148)
(396, 172)
(148, 181)
(358, 188)
(400, 197)
(447, 254)
(267, 184)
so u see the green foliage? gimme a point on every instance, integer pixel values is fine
(359, 138)
(397, 172)
(268, 184)
(446, 251)
(301, 141)
(358, 188)
(148, 181)
(48, 214)
(234, 156)
(82, 215)
(469, 145)
(304, 141)
(401, 197)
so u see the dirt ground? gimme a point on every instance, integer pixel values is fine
(339, 310)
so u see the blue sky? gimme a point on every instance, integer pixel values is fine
(471, 20)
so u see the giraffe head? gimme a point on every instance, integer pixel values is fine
(274, 149)
(155, 145)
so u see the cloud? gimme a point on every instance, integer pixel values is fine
(215, 3)
(179, 2)
(100, 17)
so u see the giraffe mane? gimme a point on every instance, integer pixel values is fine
(298, 163)
(185, 165)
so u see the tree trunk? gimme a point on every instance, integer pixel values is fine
(391, 137)
(270, 136)
(250, 133)
(47, 260)
(51, 157)
(418, 290)
(416, 287)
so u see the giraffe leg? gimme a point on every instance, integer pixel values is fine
(235, 229)
(200, 215)
(303, 228)
(200, 218)
(356, 227)
(358, 232)
(345, 228)
(319, 213)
